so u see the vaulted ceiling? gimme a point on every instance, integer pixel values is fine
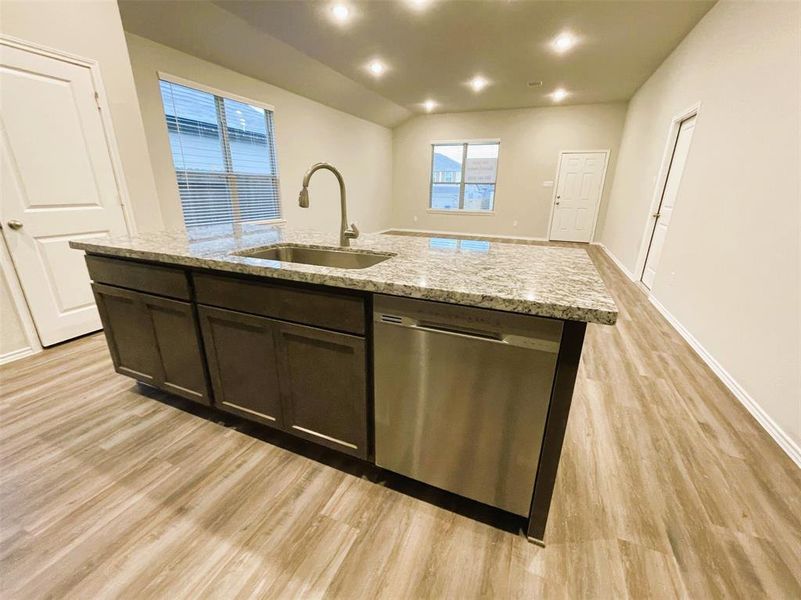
(430, 48)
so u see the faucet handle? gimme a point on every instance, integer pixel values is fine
(352, 232)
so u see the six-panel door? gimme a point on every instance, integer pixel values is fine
(154, 340)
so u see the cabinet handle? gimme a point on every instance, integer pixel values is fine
(14, 224)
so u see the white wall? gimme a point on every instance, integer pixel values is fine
(531, 140)
(12, 336)
(729, 272)
(306, 132)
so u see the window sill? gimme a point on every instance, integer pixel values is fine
(234, 225)
(478, 213)
(266, 222)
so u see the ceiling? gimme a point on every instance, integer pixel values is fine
(432, 48)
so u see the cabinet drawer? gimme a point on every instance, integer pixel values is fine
(153, 279)
(330, 310)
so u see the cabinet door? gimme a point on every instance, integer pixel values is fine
(240, 352)
(129, 333)
(154, 340)
(323, 386)
(178, 344)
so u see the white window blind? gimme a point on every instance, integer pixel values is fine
(223, 151)
(463, 176)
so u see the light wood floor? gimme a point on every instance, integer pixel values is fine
(667, 488)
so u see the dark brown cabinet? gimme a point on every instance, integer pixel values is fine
(323, 386)
(240, 351)
(291, 356)
(338, 311)
(154, 340)
(307, 381)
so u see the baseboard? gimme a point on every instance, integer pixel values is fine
(458, 233)
(616, 260)
(16, 355)
(768, 424)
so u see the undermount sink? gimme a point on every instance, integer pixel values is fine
(339, 258)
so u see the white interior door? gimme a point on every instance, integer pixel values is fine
(669, 194)
(578, 193)
(57, 184)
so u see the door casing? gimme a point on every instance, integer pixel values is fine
(661, 181)
(6, 265)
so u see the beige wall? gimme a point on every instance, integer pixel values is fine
(93, 30)
(729, 271)
(306, 132)
(12, 336)
(531, 140)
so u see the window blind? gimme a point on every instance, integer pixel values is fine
(223, 151)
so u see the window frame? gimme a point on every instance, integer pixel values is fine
(218, 93)
(464, 143)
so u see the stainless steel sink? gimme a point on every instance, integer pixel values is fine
(339, 258)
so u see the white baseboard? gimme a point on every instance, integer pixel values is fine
(784, 441)
(616, 260)
(777, 433)
(457, 233)
(16, 355)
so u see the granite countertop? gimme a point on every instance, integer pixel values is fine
(547, 281)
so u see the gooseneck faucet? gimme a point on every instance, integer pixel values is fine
(346, 234)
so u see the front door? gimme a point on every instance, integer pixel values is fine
(56, 184)
(669, 194)
(578, 193)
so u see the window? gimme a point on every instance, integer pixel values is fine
(459, 245)
(223, 151)
(463, 176)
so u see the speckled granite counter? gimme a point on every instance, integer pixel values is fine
(539, 280)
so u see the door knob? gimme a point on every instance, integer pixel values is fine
(656, 215)
(14, 224)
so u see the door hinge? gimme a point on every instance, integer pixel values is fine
(97, 100)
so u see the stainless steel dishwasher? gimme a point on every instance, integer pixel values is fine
(461, 397)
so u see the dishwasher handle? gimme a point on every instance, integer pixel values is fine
(486, 336)
(495, 337)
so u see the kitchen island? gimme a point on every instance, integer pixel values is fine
(470, 342)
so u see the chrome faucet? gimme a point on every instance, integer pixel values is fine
(346, 234)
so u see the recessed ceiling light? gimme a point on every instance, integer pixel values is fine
(340, 12)
(559, 94)
(429, 105)
(478, 83)
(563, 42)
(418, 4)
(376, 67)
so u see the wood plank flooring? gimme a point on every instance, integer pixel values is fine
(667, 488)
